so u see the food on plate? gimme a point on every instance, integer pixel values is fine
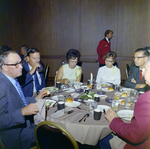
(69, 100)
(47, 92)
(123, 102)
(110, 89)
(124, 94)
(88, 86)
(90, 95)
(103, 84)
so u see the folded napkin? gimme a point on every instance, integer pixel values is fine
(75, 95)
(40, 116)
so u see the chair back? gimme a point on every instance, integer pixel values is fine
(51, 135)
(127, 70)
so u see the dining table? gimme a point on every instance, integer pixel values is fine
(88, 132)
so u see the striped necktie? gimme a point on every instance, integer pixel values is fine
(21, 93)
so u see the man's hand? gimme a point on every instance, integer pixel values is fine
(36, 65)
(133, 80)
(140, 86)
(42, 93)
(29, 109)
(110, 115)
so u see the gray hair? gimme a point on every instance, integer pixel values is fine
(3, 57)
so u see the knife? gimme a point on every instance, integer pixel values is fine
(83, 117)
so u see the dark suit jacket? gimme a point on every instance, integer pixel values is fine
(136, 75)
(26, 80)
(16, 131)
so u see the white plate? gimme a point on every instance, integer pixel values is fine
(119, 101)
(125, 114)
(105, 84)
(106, 89)
(78, 83)
(103, 96)
(73, 104)
(101, 107)
(56, 97)
(128, 90)
(69, 90)
(51, 89)
(84, 86)
(49, 102)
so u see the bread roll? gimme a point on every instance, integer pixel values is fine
(123, 102)
(69, 100)
(110, 89)
(47, 92)
(124, 94)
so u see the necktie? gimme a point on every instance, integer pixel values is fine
(36, 81)
(21, 93)
(141, 77)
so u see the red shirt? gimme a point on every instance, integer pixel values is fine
(138, 131)
(102, 49)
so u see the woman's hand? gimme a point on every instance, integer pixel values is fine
(65, 81)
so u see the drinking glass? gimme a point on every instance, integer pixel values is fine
(93, 105)
(117, 96)
(115, 105)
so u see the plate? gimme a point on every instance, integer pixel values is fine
(106, 89)
(101, 107)
(119, 101)
(49, 102)
(109, 100)
(80, 90)
(73, 104)
(101, 92)
(51, 89)
(78, 83)
(69, 90)
(103, 96)
(84, 86)
(56, 97)
(128, 90)
(125, 114)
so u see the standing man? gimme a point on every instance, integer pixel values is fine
(32, 79)
(135, 134)
(104, 47)
(16, 111)
(136, 79)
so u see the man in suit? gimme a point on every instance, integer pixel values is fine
(16, 111)
(135, 134)
(104, 47)
(136, 79)
(32, 80)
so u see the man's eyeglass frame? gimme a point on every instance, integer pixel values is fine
(16, 65)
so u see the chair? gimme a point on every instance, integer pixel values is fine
(1, 144)
(46, 71)
(51, 135)
(127, 70)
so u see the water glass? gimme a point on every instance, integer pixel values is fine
(117, 96)
(115, 105)
(93, 105)
(127, 102)
(71, 82)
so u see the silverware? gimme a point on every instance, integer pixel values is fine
(83, 117)
(104, 111)
(86, 117)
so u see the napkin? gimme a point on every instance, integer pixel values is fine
(40, 116)
(75, 95)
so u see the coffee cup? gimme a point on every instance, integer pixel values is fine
(97, 99)
(61, 105)
(97, 114)
(58, 85)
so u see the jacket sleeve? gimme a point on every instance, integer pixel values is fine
(8, 119)
(139, 129)
(100, 49)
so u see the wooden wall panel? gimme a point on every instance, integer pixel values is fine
(55, 26)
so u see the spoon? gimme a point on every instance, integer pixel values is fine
(86, 117)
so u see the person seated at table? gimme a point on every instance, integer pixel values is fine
(70, 71)
(135, 134)
(136, 79)
(23, 51)
(109, 73)
(32, 80)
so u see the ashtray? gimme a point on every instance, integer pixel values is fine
(80, 90)
(101, 92)
(109, 100)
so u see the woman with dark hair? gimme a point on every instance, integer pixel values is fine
(70, 71)
(109, 73)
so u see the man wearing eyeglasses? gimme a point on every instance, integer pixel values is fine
(136, 79)
(32, 79)
(16, 111)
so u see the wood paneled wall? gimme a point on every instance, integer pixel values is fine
(55, 26)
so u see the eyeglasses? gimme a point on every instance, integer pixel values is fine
(16, 65)
(138, 57)
(109, 61)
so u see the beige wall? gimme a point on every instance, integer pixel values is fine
(55, 26)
